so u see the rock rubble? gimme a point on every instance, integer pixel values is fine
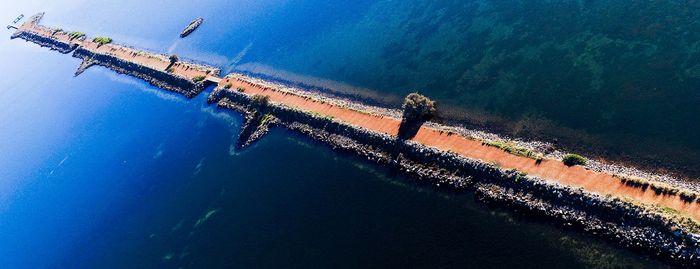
(627, 224)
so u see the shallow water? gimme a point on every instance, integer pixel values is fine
(105, 171)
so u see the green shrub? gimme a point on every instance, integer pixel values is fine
(101, 40)
(636, 182)
(240, 89)
(513, 149)
(228, 86)
(197, 79)
(265, 119)
(417, 107)
(658, 187)
(76, 35)
(572, 159)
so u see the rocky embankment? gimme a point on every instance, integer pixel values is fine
(158, 78)
(255, 125)
(622, 222)
(51, 43)
(547, 150)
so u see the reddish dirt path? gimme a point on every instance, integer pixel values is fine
(378, 124)
(554, 170)
(152, 60)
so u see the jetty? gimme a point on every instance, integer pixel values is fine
(658, 218)
(184, 77)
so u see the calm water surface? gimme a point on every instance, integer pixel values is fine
(105, 171)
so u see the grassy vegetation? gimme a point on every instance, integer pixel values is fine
(240, 89)
(636, 182)
(265, 119)
(228, 86)
(519, 175)
(571, 159)
(198, 79)
(319, 115)
(513, 149)
(659, 188)
(76, 35)
(668, 213)
(688, 222)
(102, 40)
(688, 196)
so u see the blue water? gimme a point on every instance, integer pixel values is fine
(106, 171)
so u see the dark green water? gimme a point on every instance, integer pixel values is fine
(617, 77)
(104, 171)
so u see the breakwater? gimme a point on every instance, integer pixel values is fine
(158, 78)
(51, 43)
(662, 225)
(160, 70)
(624, 222)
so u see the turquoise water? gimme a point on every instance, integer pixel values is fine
(105, 171)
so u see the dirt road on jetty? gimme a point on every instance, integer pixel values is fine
(140, 57)
(554, 170)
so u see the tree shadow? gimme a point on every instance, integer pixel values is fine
(409, 129)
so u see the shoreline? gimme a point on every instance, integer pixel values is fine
(660, 219)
